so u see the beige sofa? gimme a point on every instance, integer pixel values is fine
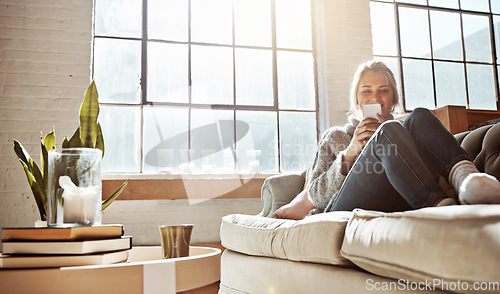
(453, 249)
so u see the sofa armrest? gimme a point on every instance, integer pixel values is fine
(279, 190)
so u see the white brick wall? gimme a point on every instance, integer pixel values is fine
(349, 42)
(44, 71)
(45, 49)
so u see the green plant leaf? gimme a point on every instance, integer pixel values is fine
(74, 142)
(100, 139)
(40, 181)
(35, 178)
(47, 143)
(38, 192)
(21, 153)
(50, 141)
(113, 196)
(65, 143)
(89, 111)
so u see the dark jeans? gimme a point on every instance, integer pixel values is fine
(399, 167)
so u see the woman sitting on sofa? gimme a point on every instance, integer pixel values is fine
(387, 165)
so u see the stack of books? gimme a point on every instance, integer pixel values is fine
(69, 246)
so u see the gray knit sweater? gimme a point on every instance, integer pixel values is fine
(325, 176)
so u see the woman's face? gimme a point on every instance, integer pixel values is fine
(374, 88)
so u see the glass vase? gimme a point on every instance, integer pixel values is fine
(74, 187)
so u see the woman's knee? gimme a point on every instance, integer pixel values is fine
(418, 114)
(391, 126)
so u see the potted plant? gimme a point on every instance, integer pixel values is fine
(88, 135)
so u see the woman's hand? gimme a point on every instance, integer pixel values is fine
(364, 131)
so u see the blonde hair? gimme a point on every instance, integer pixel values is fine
(378, 67)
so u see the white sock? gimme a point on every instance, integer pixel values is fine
(459, 172)
(472, 186)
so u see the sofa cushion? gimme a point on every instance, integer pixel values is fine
(482, 147)
(316, 238)
(241, 273)
(449, 243)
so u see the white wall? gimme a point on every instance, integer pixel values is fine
(44, 71)
(348, 42)
(45, 52)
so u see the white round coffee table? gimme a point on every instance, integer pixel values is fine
(146, 272)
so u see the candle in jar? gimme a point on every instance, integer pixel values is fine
(80, 204)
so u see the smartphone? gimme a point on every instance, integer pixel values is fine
(370, 110)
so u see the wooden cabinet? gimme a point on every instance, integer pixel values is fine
(457, 119)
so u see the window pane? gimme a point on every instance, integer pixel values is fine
(296, 80)
(450, 84)
(293, 24)
(254, 77)
(414, 32)
(417, 75)
(165, 134)
(475, 5)
(252, 22)
(212, 136)
(298, 140)
(481, 86)
(121, 129)
(120, 18)
(167, 72)
(212, 75)
(496, 21)
(422, 2)
(117, 70)
(261, 135)
(495, 6)
(211, 21)
(444, 3)
(383, 28)
(168, 20)
(477, 38)
(446, 35)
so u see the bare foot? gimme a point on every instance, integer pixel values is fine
(297, 209)
(480, 188)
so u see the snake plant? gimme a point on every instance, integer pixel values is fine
(88, 135)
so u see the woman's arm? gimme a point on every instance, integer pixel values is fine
(326, 178)
(364, 131)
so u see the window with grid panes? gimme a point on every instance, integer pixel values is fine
(206, 86)
(445, 52)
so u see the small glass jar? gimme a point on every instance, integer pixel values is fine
(74, 187)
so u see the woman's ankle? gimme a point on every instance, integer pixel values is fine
(459, 173)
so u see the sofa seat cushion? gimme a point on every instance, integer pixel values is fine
(241, 273)
(452, 243)
(316, 238)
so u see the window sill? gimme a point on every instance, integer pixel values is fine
(191, 187)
